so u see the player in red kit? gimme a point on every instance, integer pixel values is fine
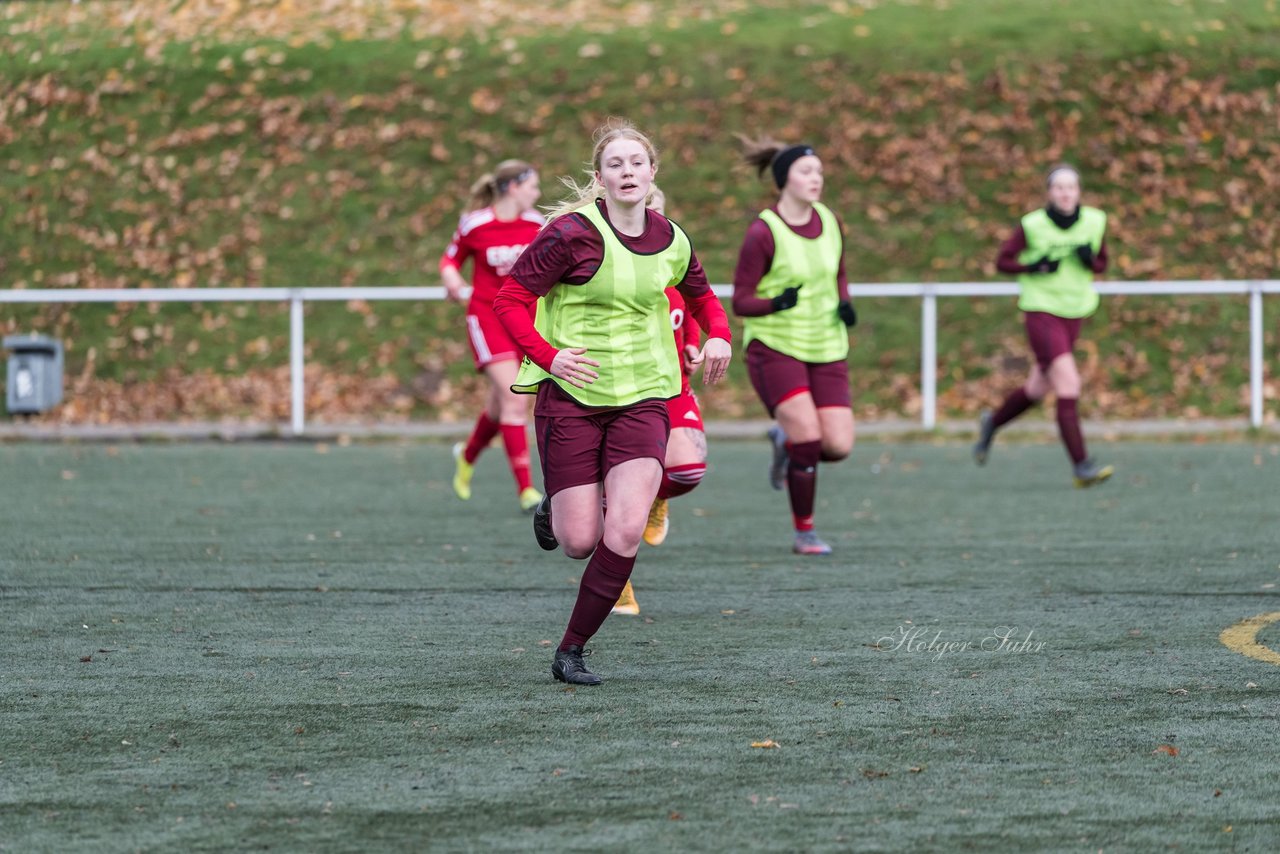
(499, 223)
(686, 458)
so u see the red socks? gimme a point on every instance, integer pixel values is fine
(678, 480)
(1014, 405)
(517, 445)
(486, 428)
(802, 481)
(1069, 428)
(602, 583)
(513, 438)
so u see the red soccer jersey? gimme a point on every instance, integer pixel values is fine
(685, 330)
(493, 244)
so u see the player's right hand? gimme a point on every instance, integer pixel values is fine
(572, 364)
(789, 298)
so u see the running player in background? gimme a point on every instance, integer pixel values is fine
(600, 360)
(499, 223)
(686, 460)
(1055, 252)
(790, 288)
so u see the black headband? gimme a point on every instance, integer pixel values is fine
(785, 160)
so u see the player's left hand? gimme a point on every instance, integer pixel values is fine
(848, 314)
(691, 359)
(715, 355)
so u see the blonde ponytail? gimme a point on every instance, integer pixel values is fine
(482, 193)
(489, 186)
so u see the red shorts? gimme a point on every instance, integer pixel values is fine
(684, 412)
(581, 449)
(488, 337)
(778, 377)
(1051, 336)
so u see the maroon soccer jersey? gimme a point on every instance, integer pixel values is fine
(1007, 261)
(569, 252)
(686, 332)
(755, 259)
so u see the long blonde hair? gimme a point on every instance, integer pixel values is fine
(489, 186)
(581, 195)
(656, 200)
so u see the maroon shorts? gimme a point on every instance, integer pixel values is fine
(778, 377)
(488, 337)
(581, 449)
(1051, 336)
(684, 412)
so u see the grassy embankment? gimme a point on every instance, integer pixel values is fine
(323, 150)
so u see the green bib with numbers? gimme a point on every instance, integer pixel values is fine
(1069, 291)
(812, 331)
(621, 316)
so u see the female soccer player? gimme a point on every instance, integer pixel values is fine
(601, 363)
(790, 287)
(686, 460)
(500, 221)
(1055, 252)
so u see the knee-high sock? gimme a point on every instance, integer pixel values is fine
(1069, 427)
(517, 445)
(486, 428)
(678, 480)
(602, 583)
(802, 481)
(1014, 405)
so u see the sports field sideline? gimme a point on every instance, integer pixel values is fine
(211, 647)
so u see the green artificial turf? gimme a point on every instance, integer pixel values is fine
(216, 647)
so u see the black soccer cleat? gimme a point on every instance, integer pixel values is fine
(542, 525)
(986, 434)
(571, 669)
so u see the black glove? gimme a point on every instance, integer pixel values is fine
(787, 299)
(847, 313)
(1085, 253)
(1044, 265)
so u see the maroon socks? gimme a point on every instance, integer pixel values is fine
(678, 480)
(802, 481)
(1069, 428)
(602, 583)
(486, 428)
(1014, 405)
(1068, 420)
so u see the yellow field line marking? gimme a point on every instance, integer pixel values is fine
(1243, 637)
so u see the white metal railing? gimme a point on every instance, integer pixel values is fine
(928, 293)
